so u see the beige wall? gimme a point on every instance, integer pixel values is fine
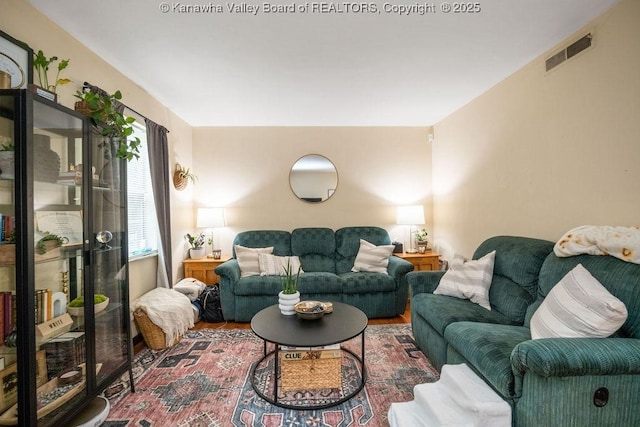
(25, 23)
(541, 153)
(246, 171)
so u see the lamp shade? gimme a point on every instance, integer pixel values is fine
(210, 218)
(410, 215)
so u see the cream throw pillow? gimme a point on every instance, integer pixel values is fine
(470, 280)
(372, 258)
(578, 306)
(272, 265)
(248, 259)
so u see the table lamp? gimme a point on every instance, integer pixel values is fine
(410, 215)
(210, 218)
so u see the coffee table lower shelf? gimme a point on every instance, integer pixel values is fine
(266, 382)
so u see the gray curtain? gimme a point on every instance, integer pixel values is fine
(158, 148)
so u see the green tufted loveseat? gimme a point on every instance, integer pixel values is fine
(548, 382)
(327, 257)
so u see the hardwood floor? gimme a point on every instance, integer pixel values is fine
(403, 318)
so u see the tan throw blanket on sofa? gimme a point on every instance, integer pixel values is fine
(617, 241)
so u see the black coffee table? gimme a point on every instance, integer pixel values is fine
(345, 323)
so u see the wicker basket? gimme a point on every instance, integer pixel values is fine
(310, 374)
(153, 335)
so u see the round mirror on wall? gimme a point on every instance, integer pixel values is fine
(313, 178)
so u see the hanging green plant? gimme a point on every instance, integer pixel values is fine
(112, 123)
(41, 248)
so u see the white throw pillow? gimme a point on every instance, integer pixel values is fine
(372, 258)
(248, 259)
(272, 265)
(470, 280)
(578, 306)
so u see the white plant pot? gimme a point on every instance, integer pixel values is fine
(197, 253)
(286, 302)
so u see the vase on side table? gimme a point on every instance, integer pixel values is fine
(286, 302)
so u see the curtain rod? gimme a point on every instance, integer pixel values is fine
(88, 85)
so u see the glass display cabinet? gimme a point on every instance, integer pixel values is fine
(64, 302)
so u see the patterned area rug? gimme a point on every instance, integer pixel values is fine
(205, 381)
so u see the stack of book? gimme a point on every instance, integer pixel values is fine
(64, 352)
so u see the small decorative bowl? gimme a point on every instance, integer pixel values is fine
(309, 310)
(79, 311)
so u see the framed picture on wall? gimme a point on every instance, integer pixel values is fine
(16, 59)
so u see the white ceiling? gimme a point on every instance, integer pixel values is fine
(317, 69)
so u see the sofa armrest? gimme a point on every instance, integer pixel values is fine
(398, 267)
(422, 282)
(565, 357)
(229, 270)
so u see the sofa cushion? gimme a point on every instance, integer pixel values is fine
(248, 259)
(578, 306)
(348, 244)
(366, 282)
(516, 268)
(316, 248)
(258, 285)
(272, 265)
(470, 280)
(440, 311)
(487, 348)
(280, 240)
(319, 282)
(372, 258)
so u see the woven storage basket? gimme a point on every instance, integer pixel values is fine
(153, 335)
(310, 374)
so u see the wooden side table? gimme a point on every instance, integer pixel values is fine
(203, 269)
(428, 261)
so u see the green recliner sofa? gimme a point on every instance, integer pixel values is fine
(327, 257)
(548, 382)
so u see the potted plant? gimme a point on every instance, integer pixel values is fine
(196, 241)
(182, 176)
(41, 65)
(49, 241)
(289, 296)
(113, 124)
(7, 161)
(422, 240)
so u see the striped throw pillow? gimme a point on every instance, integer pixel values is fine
(248, 259)
(372, 258)
(272, 265)
(578, 306)
(470, 280)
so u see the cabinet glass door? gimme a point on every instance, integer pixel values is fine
(8, 353)
(109, 258)
(56, 164)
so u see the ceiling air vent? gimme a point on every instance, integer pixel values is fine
(568, 52)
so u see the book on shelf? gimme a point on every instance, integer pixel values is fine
(309, 353)
(9, 312)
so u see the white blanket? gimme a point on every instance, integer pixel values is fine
(168, 309)
(617, 241)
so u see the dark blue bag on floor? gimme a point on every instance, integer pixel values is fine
(211, 308)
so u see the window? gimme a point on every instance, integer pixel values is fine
(143, 224)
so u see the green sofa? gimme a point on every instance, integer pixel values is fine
(327, 258)
(548, 382)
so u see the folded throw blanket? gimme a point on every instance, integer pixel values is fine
(617, 241)
(169, 310)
